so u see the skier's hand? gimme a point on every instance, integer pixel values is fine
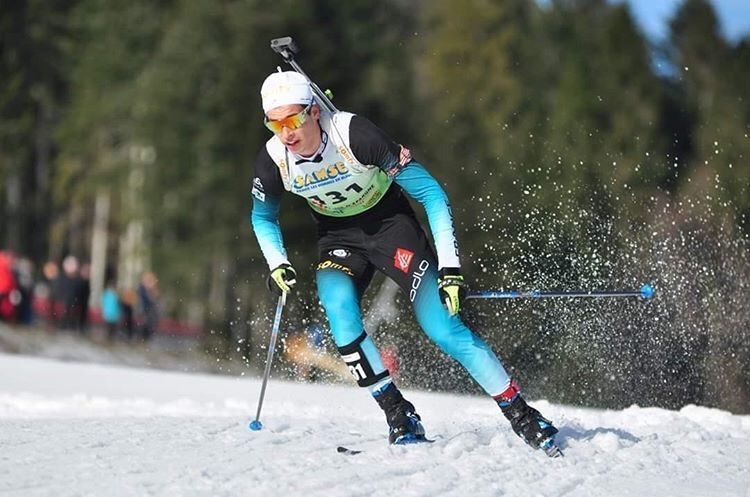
(282, 279)
(452, 289)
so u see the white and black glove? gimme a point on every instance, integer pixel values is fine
(281, 279)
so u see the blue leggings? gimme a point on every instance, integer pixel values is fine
(339, 296)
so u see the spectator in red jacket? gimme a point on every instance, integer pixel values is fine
(9, 294)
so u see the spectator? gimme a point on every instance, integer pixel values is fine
(310, 359)
(68, 285)
(25, 277)
(127, 303)
(82, 295)
(110, 304)
(9, 294)
(148, 299)
(50, 290)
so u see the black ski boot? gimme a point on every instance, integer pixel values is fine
(403, 421)
(527, 422)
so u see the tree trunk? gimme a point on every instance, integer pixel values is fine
(41, 201)
(99, 242)
(13, 219)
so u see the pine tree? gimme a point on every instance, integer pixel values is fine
(604, 108)
(34, 38)
(474, 67)
(710, 74)
(715, 192)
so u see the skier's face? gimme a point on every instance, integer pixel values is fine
(303, 140)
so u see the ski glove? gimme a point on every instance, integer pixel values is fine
(452, 289)
(282, 279)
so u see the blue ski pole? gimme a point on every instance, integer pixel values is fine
(256, 425)
(646, 292)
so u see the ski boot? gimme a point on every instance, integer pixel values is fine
(527, 422)
(403, 421)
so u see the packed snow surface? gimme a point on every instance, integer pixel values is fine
(69, 429)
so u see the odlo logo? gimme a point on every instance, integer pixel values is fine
(416, 279)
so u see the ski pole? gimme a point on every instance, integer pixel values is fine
(256, 425)
(287, 48)
(646, 292)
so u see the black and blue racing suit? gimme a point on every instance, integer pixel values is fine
(379, 231)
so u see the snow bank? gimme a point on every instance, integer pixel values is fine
(87, 429)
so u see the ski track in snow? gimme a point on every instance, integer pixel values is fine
(70, 429)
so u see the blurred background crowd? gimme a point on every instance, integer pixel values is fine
(58, 297)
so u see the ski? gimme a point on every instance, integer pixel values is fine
(414, 441)
(348, 452)
(549, 447)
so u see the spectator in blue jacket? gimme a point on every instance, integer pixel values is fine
(110, 302)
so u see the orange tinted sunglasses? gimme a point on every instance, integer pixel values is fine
(292, 122)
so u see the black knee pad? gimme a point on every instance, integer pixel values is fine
(359, 366)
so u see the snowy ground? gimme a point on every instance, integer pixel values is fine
(161, 352)
(71, 429)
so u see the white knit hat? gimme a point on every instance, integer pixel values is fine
(285, 88)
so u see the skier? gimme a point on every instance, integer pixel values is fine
(353, 177)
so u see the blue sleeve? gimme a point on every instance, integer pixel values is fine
(265, 220)
(267, 189)
(422, 187)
